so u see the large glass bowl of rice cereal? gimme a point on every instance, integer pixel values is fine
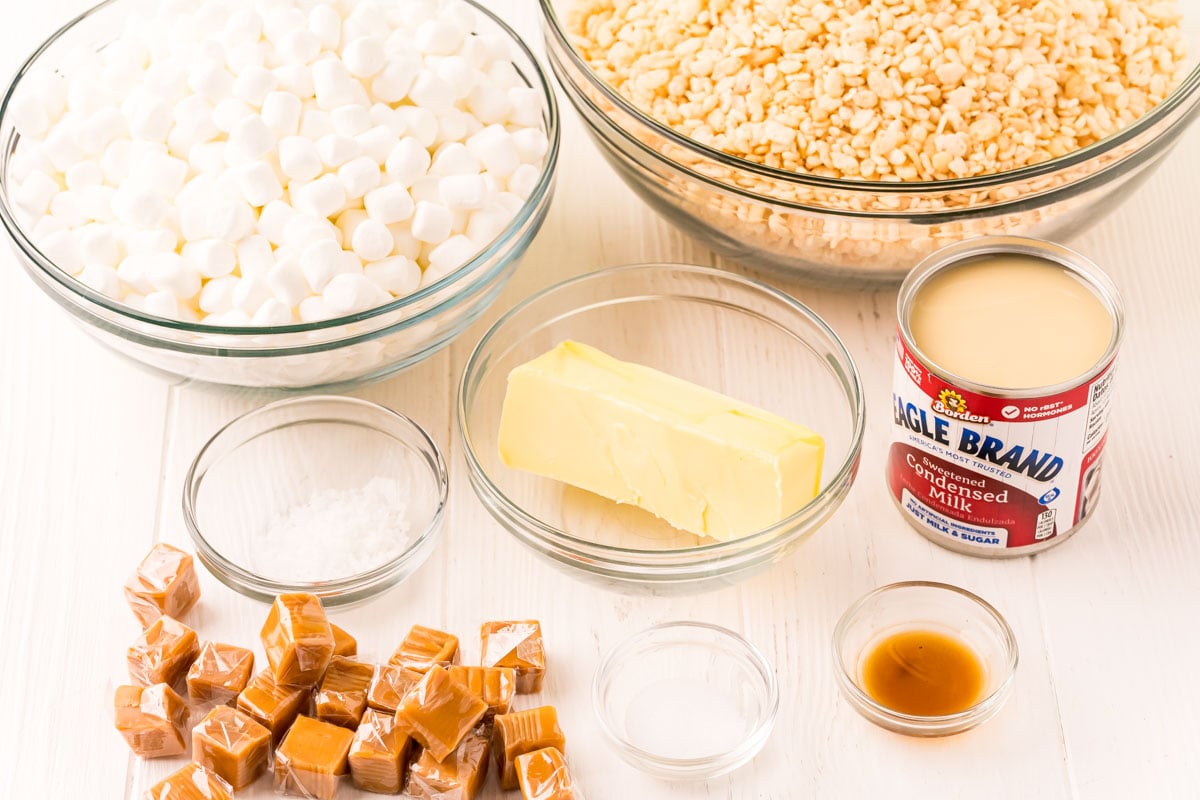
(845, 141)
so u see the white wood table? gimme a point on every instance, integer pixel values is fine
(1107, 704)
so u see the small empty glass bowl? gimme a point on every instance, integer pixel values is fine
(335, 496)
(925, 606)
(721, 331)
(686, 700)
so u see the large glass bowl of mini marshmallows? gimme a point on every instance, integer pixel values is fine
(277, 193)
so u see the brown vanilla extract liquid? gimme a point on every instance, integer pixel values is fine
(923, 673)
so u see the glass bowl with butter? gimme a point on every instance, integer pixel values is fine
(628, 425)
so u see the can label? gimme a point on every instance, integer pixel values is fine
(994, 473)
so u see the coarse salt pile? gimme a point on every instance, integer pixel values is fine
(895, 90)
(277, 161)
(335, 533)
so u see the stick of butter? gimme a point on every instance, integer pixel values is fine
(704, 462)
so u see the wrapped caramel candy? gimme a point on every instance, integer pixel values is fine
(219, 673)
(493, 685)
(439, 712)
(297, 639)
(388, 686)
(378, 754)
(343, 643)
(424, 647)
(342, 697)
(152, 719)
(310, 759)
(193, 782)
(457, 777)
(164, 583)
(231, 744)
(523, 732)
(516, 644)
(543, 775)
(163, 653)
(273, 706)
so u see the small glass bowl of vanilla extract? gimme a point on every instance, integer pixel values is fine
(924, 659)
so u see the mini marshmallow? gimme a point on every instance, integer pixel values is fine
(279, 21)
(431, 92)
(35, 193)
(304, 230)
(211, 257)
(297, 79)
(431, 222)
(372, 240)
(102, 128)
(157, 172)
(244, 25)
(494, 147)
(250, 293)
(377, 143)
(254, 256)
(438, 37)
(162, 304)
(398, 275)
(405, 244)
(210, 79)
(31, 157)
(462, 192)
(65, 209)
(247, 55)
(313, 309)
(394, 81)
(419, 123)
(388, 204)
(324, 197)
(454, 158)
(359, 176)
(83, 175)
(253, 84)
(133, 273)
(273, 221)
(333, 84)
(526, 106)
(458, 75)
(407, 162)
(523, 180)
(298, 46)
(29, 116)
(350, 120)
(427, 189)
(273, 312)
(299, 158)
(452, 254)
(96, 203)
(281, 113)
(98, 245)
(148, 117)
(315, 123)
(62, 248)
(249, 141)
(115, 161)
(287, 282)
(336, 150)
(349, 220)
(171, 272)
(194, 124)
(486, 225)
(103, 279)
(258, 183)
(62, 146)
(364, 57)
(326, 25)
(320, 262)
(229, 112)
(149, 242)
(350, 293)
(531, 144)
(455, 125)
(217, 295)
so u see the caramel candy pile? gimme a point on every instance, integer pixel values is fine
(421, 725)
(164, 583)
(193, 782)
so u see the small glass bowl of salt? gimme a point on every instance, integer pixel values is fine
(686, 700)
(335, 496)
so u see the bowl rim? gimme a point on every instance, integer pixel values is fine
(711, 765)
(473, 267)
(338, 591)
(976, 713)
(656, 564)
(553, 27)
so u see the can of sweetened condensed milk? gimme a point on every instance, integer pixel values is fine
(1002, 385)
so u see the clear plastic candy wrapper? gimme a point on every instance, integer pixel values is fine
(516, 644)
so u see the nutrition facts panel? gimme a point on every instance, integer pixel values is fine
(93, 453)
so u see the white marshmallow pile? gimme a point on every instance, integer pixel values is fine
(265, 162)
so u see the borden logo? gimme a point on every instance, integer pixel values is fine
(950, 403)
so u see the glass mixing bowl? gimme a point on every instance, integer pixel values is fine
(719, 330)
(854, 231)
(341, 351)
